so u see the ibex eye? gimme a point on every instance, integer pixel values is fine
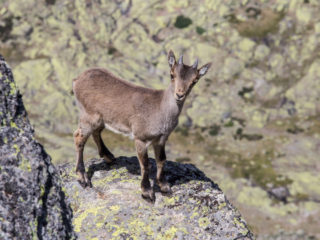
(171, 76)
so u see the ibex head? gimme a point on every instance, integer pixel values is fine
(184, 77)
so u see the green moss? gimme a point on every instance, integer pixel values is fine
(77, 221)
(244, 91)
(203, 222)
(222, 205)
(65, 191)
(13, 124)
(214, 130)
(12, 88)
(194, 214)
(33, 227)
(170, 233)
(112, 50)
(115, 208)
(258, 169)
(25, 164)
(42, 190)
(229, 124)
(237, 222)
(182, 22)
(116, 174)
(241, 225)
(16, 147)
(119, 230)
(200, 30)
(140, 227)
(170, 201)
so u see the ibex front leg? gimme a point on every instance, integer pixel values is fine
(160, 154)
(142, 153)
(80, 139)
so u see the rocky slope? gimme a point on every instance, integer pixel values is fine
(32, 203)
(253, 124)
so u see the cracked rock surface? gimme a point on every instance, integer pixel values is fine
(32, 203)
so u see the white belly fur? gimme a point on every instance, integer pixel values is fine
(119, 130)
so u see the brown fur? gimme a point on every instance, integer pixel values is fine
(147, 115)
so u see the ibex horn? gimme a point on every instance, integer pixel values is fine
(195, 65)
(181, 60)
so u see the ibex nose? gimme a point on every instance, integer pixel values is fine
(179, 96)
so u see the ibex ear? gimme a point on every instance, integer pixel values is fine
(203, 70)
(171, 59)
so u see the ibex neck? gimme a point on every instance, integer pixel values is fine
(169, 104)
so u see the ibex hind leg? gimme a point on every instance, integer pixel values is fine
(103, 150)
(81, 136)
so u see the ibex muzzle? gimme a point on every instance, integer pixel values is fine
(146, 115)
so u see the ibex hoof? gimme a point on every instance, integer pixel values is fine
(165, 188)
(84, 181)
(89, 183)
(109, 159)
(85, 184)
(148, 195)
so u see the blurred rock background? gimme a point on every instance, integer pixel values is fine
(252, 124)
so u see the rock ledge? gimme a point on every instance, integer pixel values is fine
(114, 209)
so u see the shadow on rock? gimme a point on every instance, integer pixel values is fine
(176, 173)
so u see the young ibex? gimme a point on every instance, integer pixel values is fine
(146, 115)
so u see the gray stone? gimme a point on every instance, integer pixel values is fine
(32, 203)
(196, 209)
